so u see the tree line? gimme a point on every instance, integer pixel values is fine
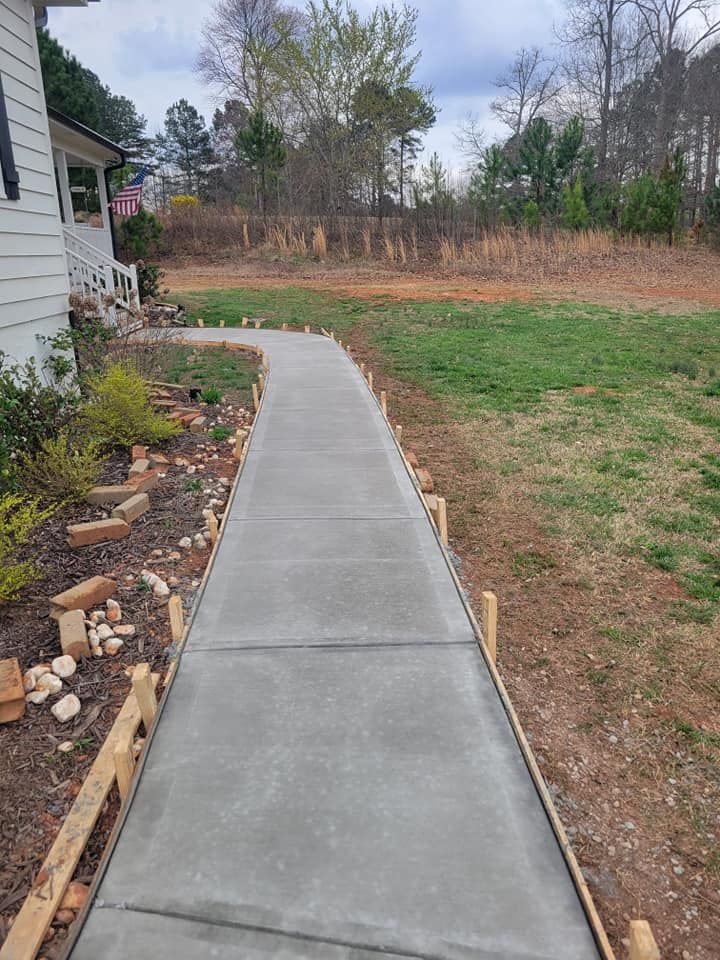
(616, 126)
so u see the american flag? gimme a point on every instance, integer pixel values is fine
(127, 202)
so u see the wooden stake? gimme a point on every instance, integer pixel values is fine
(432, 504)
(124, 767)
(442, 519)
(177, 619)
(307, 328)
(261, 382)
(398, 433)
(212, 522)
(362, 369)
(256, 399)
(332, 334)
(244, 321)
(239, 443)
(340, 344)
(222, 323)
(642, 941)
(257, 324)
(201, 323)
(145, 694)
(489, 622)
(370, 379)
(284, 326)
(383, 402)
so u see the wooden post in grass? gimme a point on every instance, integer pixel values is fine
(398, 433)
(222, 323)
(261, 382)
(244, 321)
(307, 328)
(256, 398)
(212, 522)
(370, 380)
(362, 369)
(177, 619)
(284, 326)
(239, 443)
(145, 694)
(642, 941)
(257, 324)
(442, 519)
(124, 766)
(383, 402)
(332, 334)
(489, 622)
(340, 344)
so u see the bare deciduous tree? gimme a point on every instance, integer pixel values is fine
(529, 85)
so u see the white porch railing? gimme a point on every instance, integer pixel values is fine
(94, 273)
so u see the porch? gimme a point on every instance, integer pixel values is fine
(83, 161)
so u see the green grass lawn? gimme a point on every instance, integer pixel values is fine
(210, 367)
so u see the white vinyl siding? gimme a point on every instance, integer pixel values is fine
(33, 275)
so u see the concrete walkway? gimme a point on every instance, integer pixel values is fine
(333, 776)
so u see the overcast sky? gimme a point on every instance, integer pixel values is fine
(145, 49)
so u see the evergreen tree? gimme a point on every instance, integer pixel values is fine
(260, 147)
(486, 184)
(185, 143)
(538, 162)
(413, 113)
(575, 213)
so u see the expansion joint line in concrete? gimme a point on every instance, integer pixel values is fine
(272, 931)
(341, 643)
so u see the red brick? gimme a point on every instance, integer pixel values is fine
(133, 508)
(412, 459)
(111, 494)
(142, 482)
(138, 452)
(83, 534)
(424, 479)
(73, 634)
(12, 692)
(139, 466)
(82, 596)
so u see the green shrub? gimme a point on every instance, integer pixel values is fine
(62, 469)
(150, 275)
(140, 235)
(220, 433)
(119, 413)
(19, 516)
(211, 395)
(29, 412)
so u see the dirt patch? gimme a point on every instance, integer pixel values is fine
(638, 797)
(38, 783)
(675, 281)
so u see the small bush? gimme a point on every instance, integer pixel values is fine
(712, 388)
(140, 235)
(29, 411)
(119, 412)
(687, 368)
(220, 433)
(150, 277)
(211, 395)
(61, 470)
(19, 516)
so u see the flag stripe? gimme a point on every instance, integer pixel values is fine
(127, 202)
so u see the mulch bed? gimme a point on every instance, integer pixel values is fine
(37, 782)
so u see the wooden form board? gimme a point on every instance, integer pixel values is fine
(37, 912)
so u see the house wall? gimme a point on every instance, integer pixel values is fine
(33, 275)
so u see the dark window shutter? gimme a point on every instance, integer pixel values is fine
(10, 176)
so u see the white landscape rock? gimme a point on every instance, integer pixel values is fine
(185, 543)
(156, 584)
(49, 682)
(28, 681)
(113, 646)
(199, 542)
(64, 666)
(105, 631)
(66, 746)
(37, 696)
(98, 616)
(125, 630)
(93, 638)
(114, 613)
(66, 709)
(39, 670)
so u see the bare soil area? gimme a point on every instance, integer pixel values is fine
(672, 280)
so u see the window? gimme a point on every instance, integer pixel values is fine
(10, 180)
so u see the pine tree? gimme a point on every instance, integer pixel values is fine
(260, 147)
(575, 213)
(185, 143)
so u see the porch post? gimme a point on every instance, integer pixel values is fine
(65, 196)
(104, 200)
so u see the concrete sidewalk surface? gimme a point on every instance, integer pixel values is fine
(333, 775)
